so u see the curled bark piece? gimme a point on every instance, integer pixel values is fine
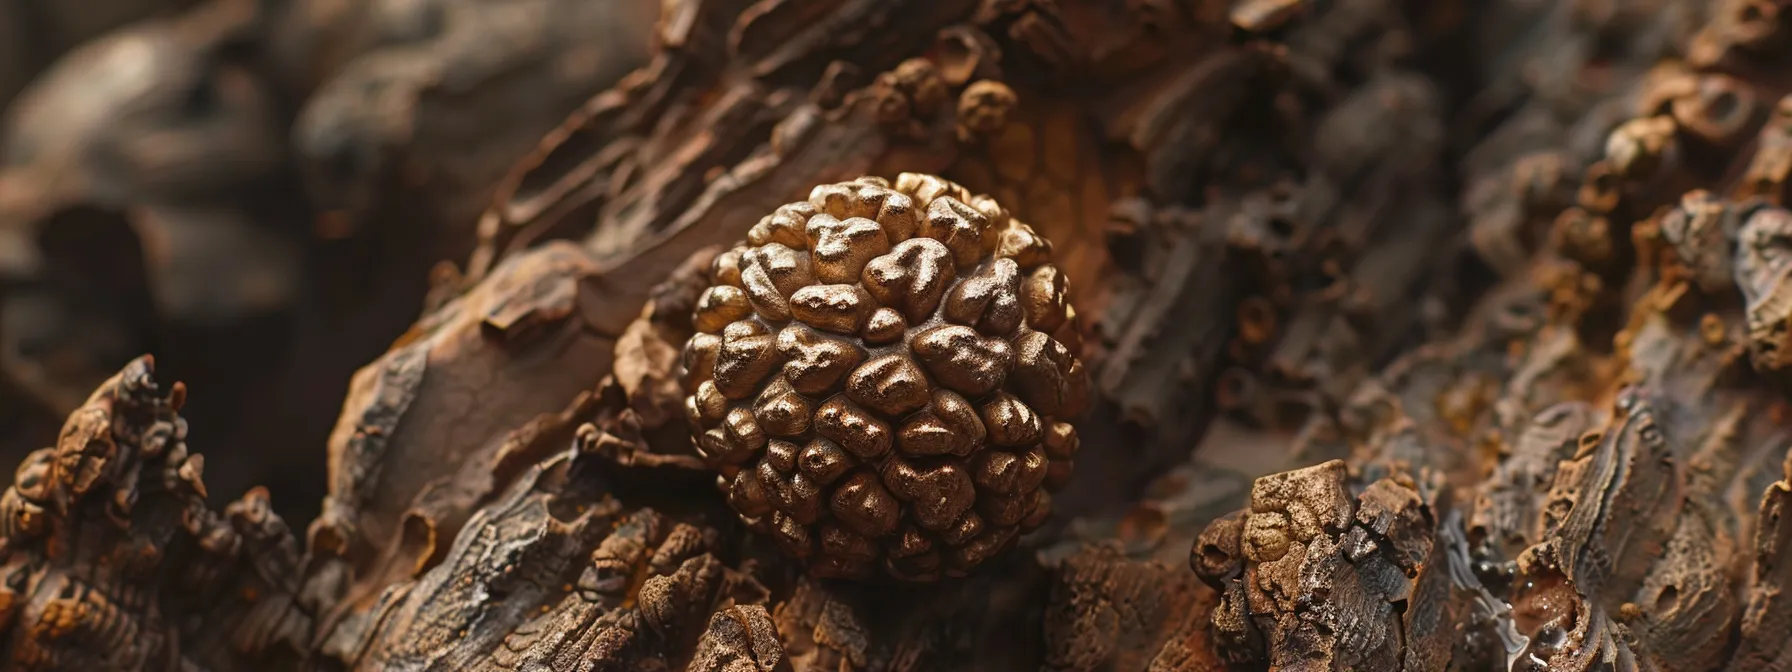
(524, 343)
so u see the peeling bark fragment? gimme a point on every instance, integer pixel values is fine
(1613, 508)
(523, 343)
(549, 574)
(1763, 265)
(626, 413)
(1768, 613)
(1691, 595)
(413, 606)
(740, 639)
(110, 559)
(1503, 519)
(1635, 565)
(1704, 230)
(1330, 580)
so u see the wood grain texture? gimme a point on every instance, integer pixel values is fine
(1388, 372)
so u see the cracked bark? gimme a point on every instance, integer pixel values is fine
(1541, 440)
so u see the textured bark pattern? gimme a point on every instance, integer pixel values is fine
(113, 561)
(1373, 557)
(256, 191)
(1527, 419)
(1620, 452)
(455, 526)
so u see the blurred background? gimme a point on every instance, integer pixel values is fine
(259, 192)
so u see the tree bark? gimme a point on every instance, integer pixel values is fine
(1411, 375)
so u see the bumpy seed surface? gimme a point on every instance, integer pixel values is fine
(881, 378)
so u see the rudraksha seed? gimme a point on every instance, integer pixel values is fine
(884, 378)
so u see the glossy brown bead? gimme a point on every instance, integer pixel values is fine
(878, 378)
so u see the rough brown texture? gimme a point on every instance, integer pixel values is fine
(257, 192)
(544, 575)
(111, 559)
(1613, 409)
(1169, 163)
(1126, 134)
(1477, 309)
(1315, 576)
(881, 377)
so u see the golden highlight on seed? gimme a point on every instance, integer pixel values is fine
(885, 378)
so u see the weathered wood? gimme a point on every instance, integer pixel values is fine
(1496, 371)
